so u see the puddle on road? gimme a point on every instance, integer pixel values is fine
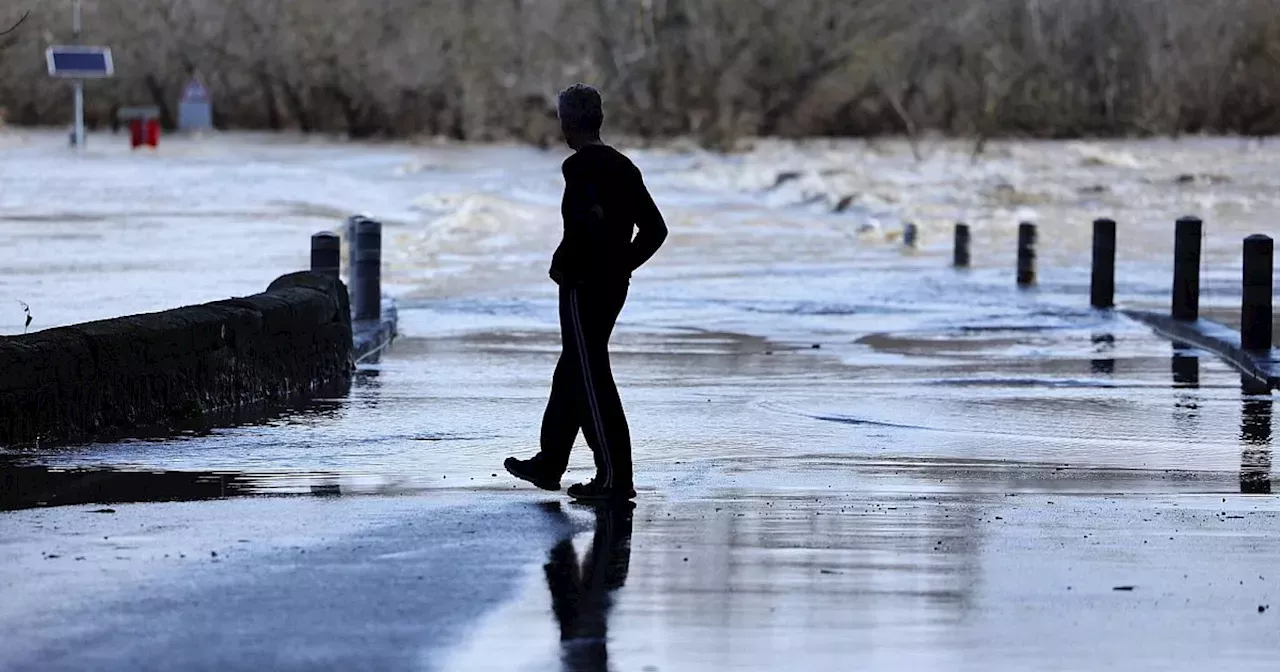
(36, 486)
(25, 487)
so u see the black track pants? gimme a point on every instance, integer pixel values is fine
(583, 394)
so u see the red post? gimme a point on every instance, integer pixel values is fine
(153, 132)
(135, 133)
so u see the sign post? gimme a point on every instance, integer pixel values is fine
(78, 138)
(78, 63)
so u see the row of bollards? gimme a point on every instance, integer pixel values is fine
(364, 263)
(1257, 290)
(1256, 329)
(1026, 251)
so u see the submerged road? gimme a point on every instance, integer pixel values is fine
(857, 523)
(848, 455)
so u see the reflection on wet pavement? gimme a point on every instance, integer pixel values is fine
(888, 579)
(582, 591)
(1255, 434)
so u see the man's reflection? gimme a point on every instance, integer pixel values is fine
(582, 593)
(1255, 434)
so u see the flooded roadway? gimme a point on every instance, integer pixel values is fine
(958, 475)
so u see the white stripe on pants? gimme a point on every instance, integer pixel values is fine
(590, 391)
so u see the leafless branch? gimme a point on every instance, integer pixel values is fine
(14, 27)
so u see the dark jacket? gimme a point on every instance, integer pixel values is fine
(605, 203)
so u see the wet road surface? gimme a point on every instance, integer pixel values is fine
(288, 584)
(878, 578)
(794, 506)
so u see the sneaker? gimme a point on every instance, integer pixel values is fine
(593, 491)
(531, 470)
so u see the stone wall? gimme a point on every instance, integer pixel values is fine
(148, 373)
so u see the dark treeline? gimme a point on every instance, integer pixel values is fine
(712, 69)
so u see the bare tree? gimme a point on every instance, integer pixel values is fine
(716, 70)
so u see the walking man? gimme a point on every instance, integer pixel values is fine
(605, 202)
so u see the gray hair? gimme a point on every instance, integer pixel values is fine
(580, 108)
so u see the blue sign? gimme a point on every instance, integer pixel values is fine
(195, 110)
(195, 91)
(79, 62)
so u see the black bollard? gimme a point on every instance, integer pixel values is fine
(1186, 269)
(961, 259)
(367, 271)
(349, 234)
(1255, 309)
(1026, 254)
(326, 254)
(910, 234)
(1102, 290)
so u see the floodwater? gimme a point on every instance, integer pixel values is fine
(845, 449)
(804, 323)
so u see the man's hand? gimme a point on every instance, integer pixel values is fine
(556, 275)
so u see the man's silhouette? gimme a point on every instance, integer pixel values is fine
(605, 203)
(581, 595)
